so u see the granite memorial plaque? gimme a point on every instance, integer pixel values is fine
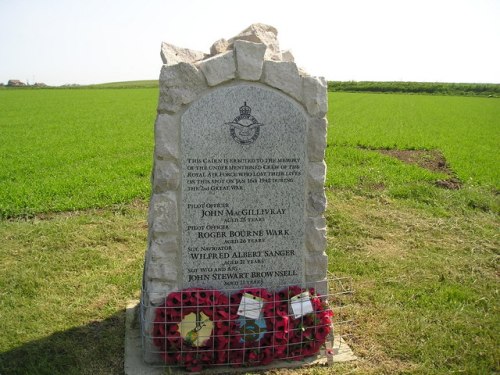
(243, 189)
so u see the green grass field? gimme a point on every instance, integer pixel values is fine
(74, 149)
(64, 150)
(466, 130)
(74, 182)
(428, 88)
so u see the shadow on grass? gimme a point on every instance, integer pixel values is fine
(96, 348)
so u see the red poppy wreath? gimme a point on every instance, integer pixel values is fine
(309, 321)
(197, 327)
(253, 328)
(191, 328)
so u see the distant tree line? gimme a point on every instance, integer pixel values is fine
(469, 89)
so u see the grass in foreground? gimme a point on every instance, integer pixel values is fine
(426, 286)
(64, 281)
(426, 296)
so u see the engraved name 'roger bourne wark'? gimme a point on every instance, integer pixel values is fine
(238, 177)
(242, 189)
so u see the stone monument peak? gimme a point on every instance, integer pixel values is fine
(255, 33)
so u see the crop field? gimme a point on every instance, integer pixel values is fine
(413, 220)
(64, 150)
(73, 149)
(466, 130)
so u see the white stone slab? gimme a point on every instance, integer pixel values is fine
(249, 59)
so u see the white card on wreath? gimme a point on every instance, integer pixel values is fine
(250, 306)
(301, 305)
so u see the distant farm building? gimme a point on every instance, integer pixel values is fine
(15, 83)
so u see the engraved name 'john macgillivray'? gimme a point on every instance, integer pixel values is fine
(244, 212)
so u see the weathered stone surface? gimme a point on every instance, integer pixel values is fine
(157, 291)
(219, 46)
(167, 136)
(317, 264)
(163, 271)
(316, 202)
(316, 234)
(179, 84)
(166, 175)
(220, 68)
(315, 96)
(283, 76)
(316, 139)
(303, 72)
(249, 59)
(163, 217)
(316, 174)
(287, 56)
(172, 55)
(261, 33)
(164, 248)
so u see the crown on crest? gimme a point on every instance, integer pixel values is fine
(245, 110)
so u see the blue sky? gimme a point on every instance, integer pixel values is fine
(94, 41)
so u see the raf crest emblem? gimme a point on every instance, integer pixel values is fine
(245, 128)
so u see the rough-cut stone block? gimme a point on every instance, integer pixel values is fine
(163, 217)
(218, 69)
(316, 234)
(172, 55)
(303, 72)
(315, 96)
(287, 56)
(162, 271)
(261, 33)
(179, 84)
(316, 202)
(157, 290)
(219, 46)
(317, 264)
(166, 175)
(249, 59)
(164, 248)
(316, 175)
(283, 76)
(167, 136)
(316, 139)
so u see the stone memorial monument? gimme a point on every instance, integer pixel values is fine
(237, 183)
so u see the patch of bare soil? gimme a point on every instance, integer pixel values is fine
(432, 160)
